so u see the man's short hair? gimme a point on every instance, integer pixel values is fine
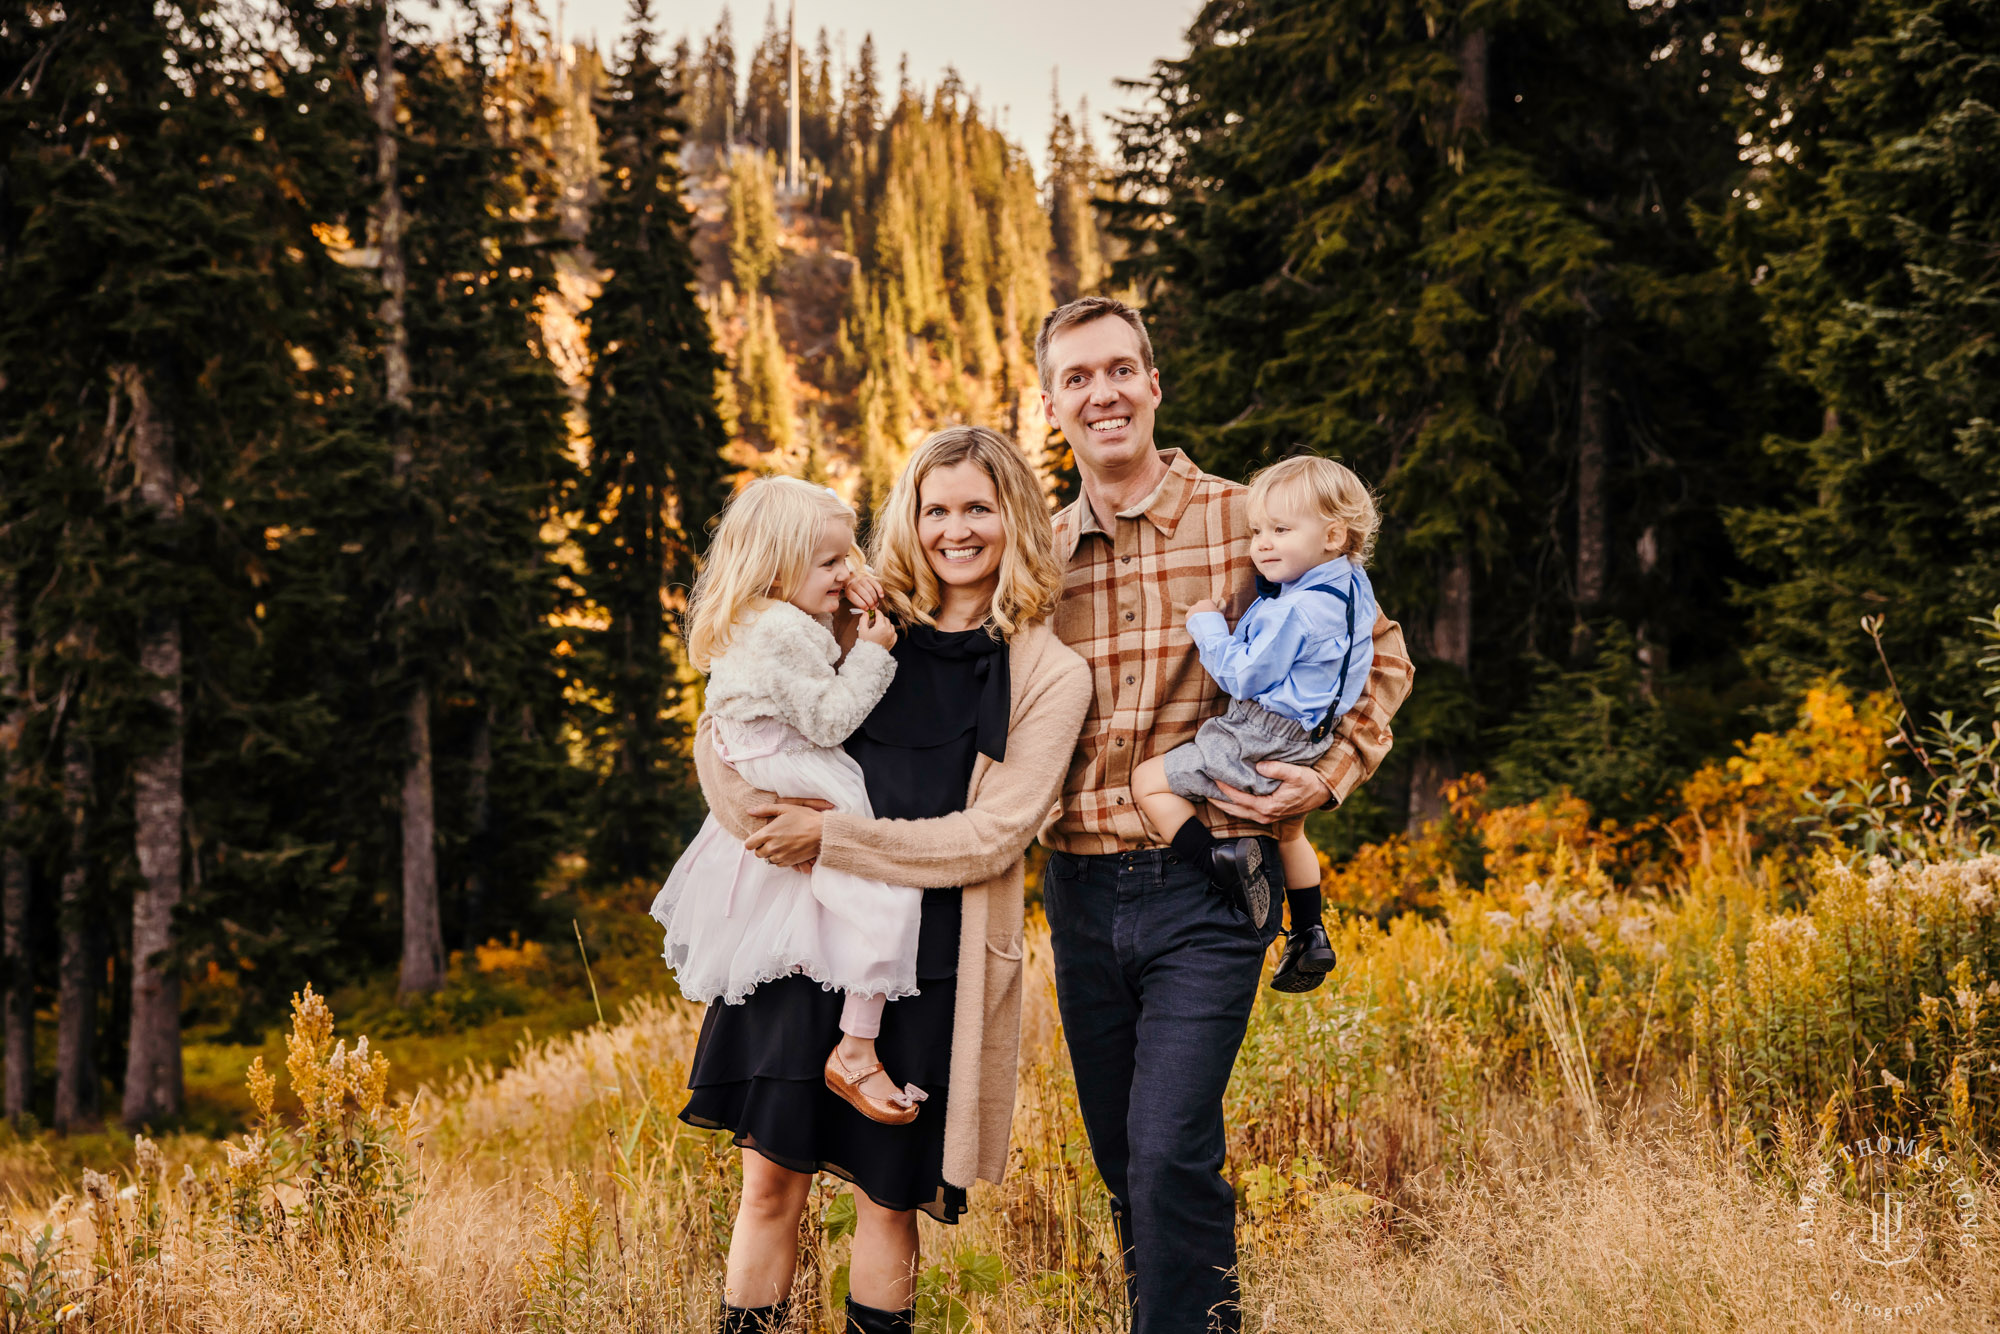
(1082, 311)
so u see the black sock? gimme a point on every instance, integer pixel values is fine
(1305, 907)
(1193, 842)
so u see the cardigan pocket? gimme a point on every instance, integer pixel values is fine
(998, 953)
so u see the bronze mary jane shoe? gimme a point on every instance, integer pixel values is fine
(897, 1111)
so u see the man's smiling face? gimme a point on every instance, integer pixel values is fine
(1101, 394)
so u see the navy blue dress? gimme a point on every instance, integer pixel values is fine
(759, 1067)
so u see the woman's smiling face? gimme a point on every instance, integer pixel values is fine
(960, 526)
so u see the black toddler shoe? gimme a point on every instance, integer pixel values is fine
(1307, 959)
(1238, 870)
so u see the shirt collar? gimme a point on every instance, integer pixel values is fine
(1328, 574)
(1163, 507)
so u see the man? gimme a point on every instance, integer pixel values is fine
(1155, 974)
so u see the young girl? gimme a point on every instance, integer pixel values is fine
(1296, 662)
(783, 701)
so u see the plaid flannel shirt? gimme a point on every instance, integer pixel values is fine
(1124, 609)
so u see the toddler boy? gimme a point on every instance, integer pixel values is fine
(1298, 660)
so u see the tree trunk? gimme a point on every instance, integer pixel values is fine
(1593, 538)
(423, 943)
(19, 993)
(423, 933)
(1451, 643)
(389, 224)
(153, 1052)
(78, 965)
(1472, 94)
(1652, 651)
(1437, 763)
(478, 786)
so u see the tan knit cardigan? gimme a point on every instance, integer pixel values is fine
(979, 848)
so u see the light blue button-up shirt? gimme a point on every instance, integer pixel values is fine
(1287, 651)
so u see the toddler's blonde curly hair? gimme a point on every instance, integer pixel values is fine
(1325, 487)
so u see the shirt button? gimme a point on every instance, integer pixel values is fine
(1119, 742)
(1128, 615)
(1130, 679)
(1125, 559)
(1121, 801)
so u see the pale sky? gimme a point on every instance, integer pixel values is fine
(1007, 51)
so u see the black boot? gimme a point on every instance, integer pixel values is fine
(751, 1319)
(1307, 959)
(872, 1320)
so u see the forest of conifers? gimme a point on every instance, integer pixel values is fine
(366, 385)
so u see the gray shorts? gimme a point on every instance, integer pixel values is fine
(1229, 748)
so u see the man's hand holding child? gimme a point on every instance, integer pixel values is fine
(1300, 789)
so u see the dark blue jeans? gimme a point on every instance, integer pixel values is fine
(1155, 978)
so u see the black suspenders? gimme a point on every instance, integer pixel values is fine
(1332, 710)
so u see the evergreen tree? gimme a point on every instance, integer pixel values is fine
(490, 416)
(1872, 206)
(861, 101)
(715, 114)
(1076, 261)
(154, 196)
(1456, 248)
(753, 223)
(953, 280)
(765, 113)
(819, 102)
(407, 555)
(480, 449)
(655, 474)
(763, 378)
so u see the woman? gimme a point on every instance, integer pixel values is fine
(964, 760)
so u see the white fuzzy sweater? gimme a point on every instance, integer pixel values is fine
(786, 665)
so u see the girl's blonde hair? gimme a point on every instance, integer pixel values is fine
(1031, 578)
(762, 550)
(1329, 489)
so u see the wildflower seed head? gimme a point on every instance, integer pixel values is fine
(151, 1164)
(263, 1088)
(97, 1187)
(246, 1164)
(308, 1048)
(371, 1080)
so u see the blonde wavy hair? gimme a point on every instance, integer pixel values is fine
(1327, 488)
(1031, 578)
(761, 552)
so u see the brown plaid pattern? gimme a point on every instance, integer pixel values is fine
(1124, 609)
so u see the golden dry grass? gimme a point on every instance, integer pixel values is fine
(561, 1194)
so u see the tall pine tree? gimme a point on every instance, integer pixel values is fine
(1872, 207)
(1456, 248)
(655, 473)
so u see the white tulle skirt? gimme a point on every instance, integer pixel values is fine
(734, 921)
